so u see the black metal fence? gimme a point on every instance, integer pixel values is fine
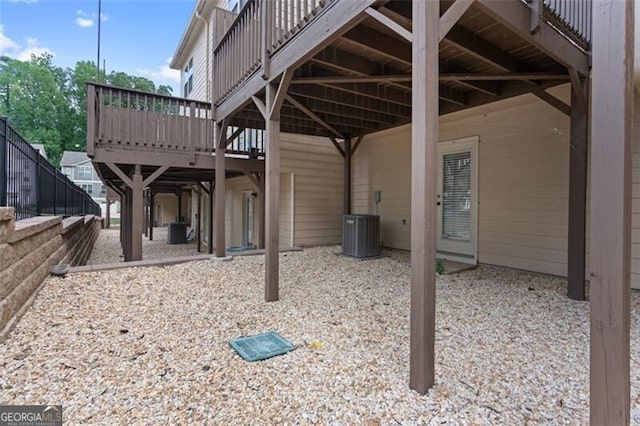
(32, 185)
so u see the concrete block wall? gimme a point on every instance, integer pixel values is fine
(28, 250)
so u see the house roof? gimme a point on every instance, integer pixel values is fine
(40, 148)
(71, 158)
(190, 35)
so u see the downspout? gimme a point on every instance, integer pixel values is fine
(206, 23)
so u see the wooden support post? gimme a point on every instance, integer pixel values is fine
(137, 214)
(610, 266)
(145, 203)
(108, 212)
(210, 246)
(347, 177)
(262, 206)
(424, 139)
(221, 131)
(272, 198)
(126, 232)
(151, 214)
(577, 191)
(198, 218)
(179, 194)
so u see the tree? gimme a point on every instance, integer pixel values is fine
(36, 105)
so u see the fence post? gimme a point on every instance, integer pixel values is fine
(3, 161)
(38, 186)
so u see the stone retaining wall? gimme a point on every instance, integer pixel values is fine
(28, 250)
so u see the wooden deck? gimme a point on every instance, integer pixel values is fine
(345, 68)
(351, 60)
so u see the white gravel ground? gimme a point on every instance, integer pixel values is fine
(510, 347)
(107, 248)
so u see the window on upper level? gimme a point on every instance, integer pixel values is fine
(236, 5)
(84, 173)
(188, 79)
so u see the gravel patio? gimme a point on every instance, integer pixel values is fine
(150, 346)
(107, 248)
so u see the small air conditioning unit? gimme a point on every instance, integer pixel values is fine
(177, 233)
(361, 235)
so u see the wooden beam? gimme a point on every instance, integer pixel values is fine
(160, 170)
(577, 192)
(357, 144)
(552, 100)
(453, 15)
(370, 40)
(401, 78)
(338, 147)
(125, 179)
(137, 214)
(503, 76)
(349, 99)
(517, 17)
(234, 136)
(283, 87)
(389, 23)
(611, 198)
(260, 105)
(424, 139)
(272, 198)
(220, 192)
(346, 178)
(578, 87)
(476, 46)
(298, 104)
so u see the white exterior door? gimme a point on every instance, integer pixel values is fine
(457, 202)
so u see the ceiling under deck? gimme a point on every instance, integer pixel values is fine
(476, 47)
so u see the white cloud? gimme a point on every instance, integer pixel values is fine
(162, 74)
(22, 52)
(32, 48)
(88, 20)
(6, 44)
(84, 22)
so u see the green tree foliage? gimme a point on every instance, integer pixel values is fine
(48, 104)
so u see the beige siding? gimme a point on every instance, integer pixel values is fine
(523, 182)
(317, 168)
(310, 190)
(166, 206)
(219, 20)
(523, 161)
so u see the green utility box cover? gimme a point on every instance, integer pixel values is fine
(261, 346)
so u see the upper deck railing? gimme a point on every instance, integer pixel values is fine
(130, 119)
(571, 17)
(259, 31)
(265, 26)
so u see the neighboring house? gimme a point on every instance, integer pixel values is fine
(77, 167)
(40, 148)
(311, 189)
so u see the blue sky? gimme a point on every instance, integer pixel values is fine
(138, 36)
